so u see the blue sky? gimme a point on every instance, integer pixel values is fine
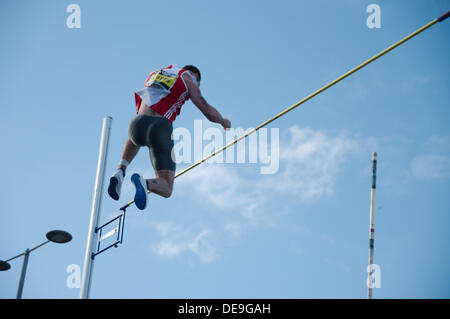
(229, 231)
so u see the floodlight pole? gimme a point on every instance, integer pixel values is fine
(57, 236)
(95, 211)
(22, 274)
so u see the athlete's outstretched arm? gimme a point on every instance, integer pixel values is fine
(210, 112)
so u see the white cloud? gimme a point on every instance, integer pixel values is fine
(215, 183)
(168, 248)
(311, 162)
(202, 246)
(176, 240)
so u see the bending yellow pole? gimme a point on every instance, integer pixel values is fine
(392, 47)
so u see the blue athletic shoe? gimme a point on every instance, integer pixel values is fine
(140, 199)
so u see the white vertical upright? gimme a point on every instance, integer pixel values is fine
(95, 211)
(372, 225)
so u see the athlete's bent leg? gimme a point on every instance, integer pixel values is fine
(162, 184)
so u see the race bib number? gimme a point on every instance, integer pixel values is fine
(162, 78)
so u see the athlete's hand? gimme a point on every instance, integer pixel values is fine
(226, 123)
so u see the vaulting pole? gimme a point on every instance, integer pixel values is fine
(95, 211)
(392, 47)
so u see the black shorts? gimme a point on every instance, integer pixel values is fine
(156, 133)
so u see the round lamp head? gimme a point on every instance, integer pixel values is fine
(59, 236)
(4, 265)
